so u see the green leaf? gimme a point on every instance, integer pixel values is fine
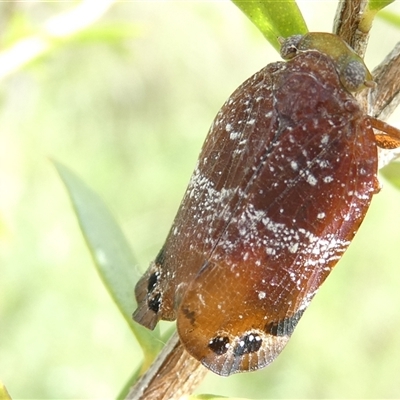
(392, 173)
(370, 12)
(3, 392)
(111, 254)
(132, 380)
(390, 17)
(274, 18)
(378, 4)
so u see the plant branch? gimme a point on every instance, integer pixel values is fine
(173, 374)
(347, 24)
(385, 97)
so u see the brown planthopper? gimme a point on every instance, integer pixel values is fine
(282, 184)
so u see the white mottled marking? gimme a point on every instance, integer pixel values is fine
(325, 139)
(328, 179)
(312, 180)
(262, 295)
(234, 135)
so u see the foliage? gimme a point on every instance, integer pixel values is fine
(274, 18)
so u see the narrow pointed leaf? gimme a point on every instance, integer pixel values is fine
(390, 17)
(3, 393)
(131, 381)
(378, 4)
(370, 12)
(274, 18)
(111, 253)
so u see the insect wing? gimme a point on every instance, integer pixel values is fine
(291, 220)
(233, 147)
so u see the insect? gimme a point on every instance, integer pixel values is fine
(282, 184)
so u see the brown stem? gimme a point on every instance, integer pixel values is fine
(385, 97)
(173, 374)
(347, 21)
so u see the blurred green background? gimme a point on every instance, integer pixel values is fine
(126, 104)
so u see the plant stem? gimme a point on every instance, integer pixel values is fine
(173, 374)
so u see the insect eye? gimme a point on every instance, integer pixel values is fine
(353, 75)
(289, 46)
